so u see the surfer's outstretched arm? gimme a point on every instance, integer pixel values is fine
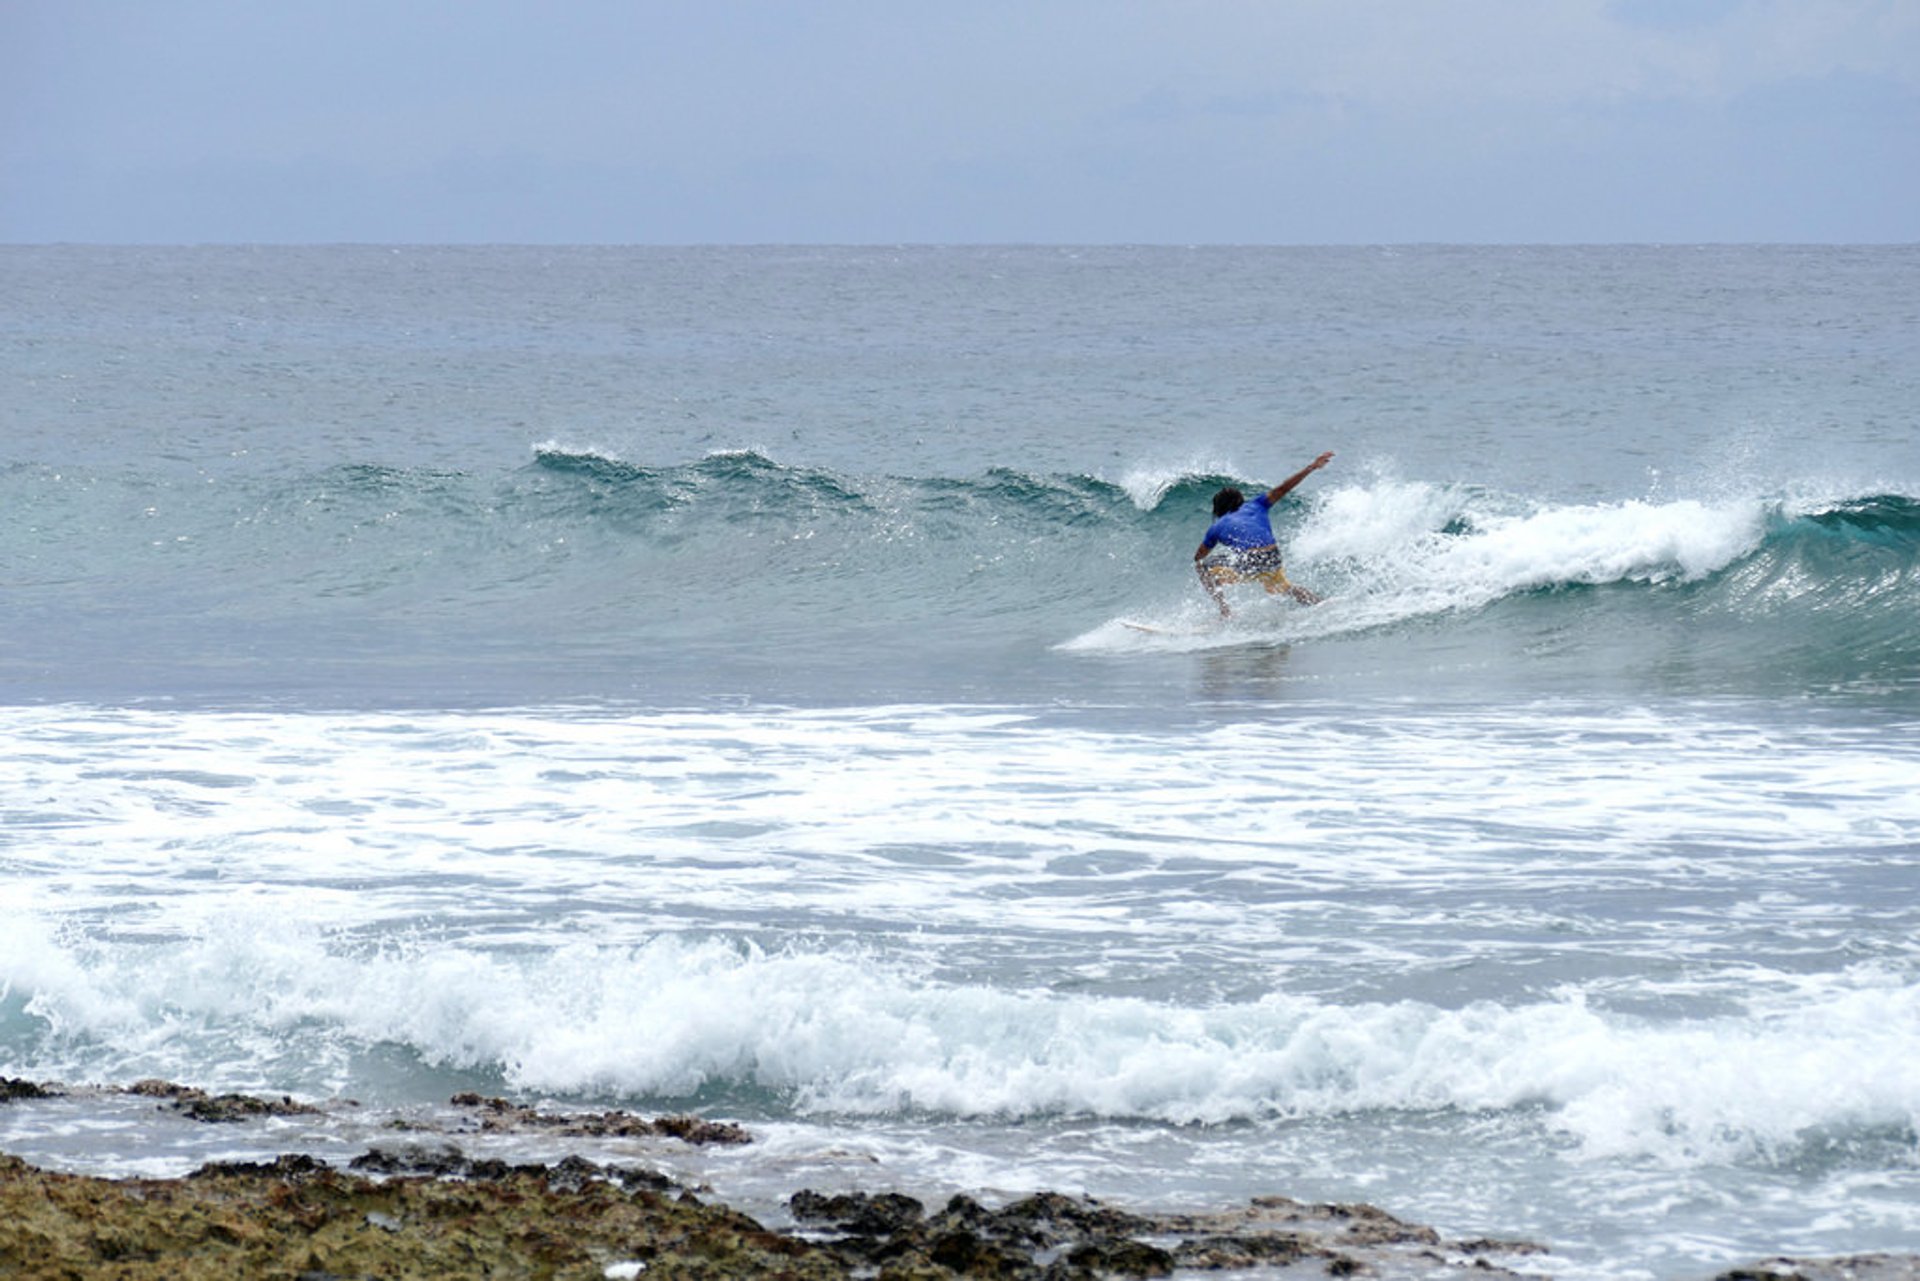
(1285, 487)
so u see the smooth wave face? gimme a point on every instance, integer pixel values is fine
(618, 571)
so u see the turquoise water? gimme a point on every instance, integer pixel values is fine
(700, 678)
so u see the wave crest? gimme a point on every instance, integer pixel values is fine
(840, 1033)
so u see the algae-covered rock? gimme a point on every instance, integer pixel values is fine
(1051, 1237)
(498, 1116)
(216, 1108)
(298, 1218)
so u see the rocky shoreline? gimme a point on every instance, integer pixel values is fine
(422, 1207)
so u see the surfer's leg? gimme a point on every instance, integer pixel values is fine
(1275, 580)
(1211, 576)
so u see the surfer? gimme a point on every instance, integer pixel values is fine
(1244, 529)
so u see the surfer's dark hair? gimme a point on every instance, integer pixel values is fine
(1227, 500)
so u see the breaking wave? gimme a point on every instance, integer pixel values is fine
(675, 1020)
(602, 550)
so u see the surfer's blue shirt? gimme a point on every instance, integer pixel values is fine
(1244, 528)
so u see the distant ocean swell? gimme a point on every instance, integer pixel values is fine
(847, 1033)
(598, 542)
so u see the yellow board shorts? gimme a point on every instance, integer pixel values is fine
(1261, 565)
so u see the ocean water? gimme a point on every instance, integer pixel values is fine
(684, 679)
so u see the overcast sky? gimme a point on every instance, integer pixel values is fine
(884, 121)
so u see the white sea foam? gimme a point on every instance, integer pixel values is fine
(1395, 533)
(554, 446)
(847, 1033)
(1369, 523)
(1588, 915)
(370, 817)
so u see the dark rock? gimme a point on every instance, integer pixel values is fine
(1853, 1267)
(153, 1087)
(1051, 1237)
(1123, 1258)
(693, 1129)
(858, 1213)
(1047, 1218)
(1229, 1252)
(501, 1116)
(12, 1088)
(218, 1108)
(1496, 1245)
(292, 1165)
(472, 1100)
(448, 1162)
(443, 1161)
(972, 1256)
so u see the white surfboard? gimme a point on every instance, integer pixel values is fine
(1153, 630)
